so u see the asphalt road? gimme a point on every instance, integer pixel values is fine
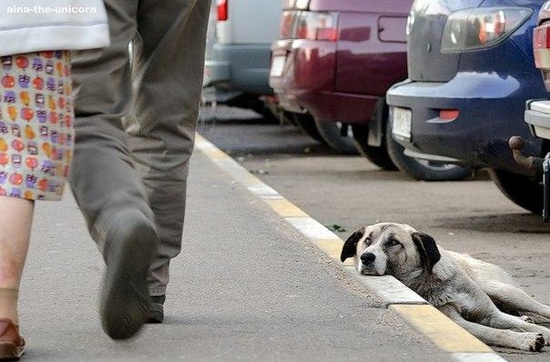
(347, 192)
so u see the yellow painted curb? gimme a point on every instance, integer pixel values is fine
(214, 153)
(445, 333)
(285, 208)
(331, 248)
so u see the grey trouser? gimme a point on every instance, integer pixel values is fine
(136, 119)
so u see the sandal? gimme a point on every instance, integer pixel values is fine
(11, 343)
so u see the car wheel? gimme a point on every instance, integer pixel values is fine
(522, 190)
(307, 124)
(423, 169)
(377, 155)
(331, 132)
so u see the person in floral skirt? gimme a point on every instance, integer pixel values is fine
(36, 127)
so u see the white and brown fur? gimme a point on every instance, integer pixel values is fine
(479, 296)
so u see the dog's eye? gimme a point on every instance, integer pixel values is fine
(393, 242)
(368, 241)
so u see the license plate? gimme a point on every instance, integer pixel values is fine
(401, 123)
(277, 66)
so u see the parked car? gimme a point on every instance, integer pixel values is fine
(470, 71)
(537, 113)
(331, 67)
(238, 61)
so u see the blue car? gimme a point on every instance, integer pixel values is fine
(470, 72)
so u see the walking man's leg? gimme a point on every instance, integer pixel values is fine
(135, 133)
(167, 79)
(104, 181)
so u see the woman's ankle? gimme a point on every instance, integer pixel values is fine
(8, 304)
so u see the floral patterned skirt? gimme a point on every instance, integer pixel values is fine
(36, 124)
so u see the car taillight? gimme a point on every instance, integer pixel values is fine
(478, 28)
(286, 27)
(222, 10)
(541, 46)
(298, 24)
(316, 26)
(296, 4)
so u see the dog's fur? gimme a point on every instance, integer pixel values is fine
(479, 296)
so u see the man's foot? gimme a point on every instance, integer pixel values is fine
(125, 301)
(11, 343)
(156, 312)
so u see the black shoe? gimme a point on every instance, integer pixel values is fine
(156, 312)
(125, 301)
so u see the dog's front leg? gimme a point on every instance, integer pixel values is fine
(526, 341)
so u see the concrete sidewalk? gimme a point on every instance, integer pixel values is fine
(256, 279)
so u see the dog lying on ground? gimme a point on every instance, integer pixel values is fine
(479, 296)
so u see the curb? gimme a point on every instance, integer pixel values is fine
(413, 309)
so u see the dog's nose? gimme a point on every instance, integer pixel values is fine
(368, 258)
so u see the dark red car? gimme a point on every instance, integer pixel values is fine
(332, 65)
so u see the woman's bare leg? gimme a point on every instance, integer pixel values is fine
(15, 228)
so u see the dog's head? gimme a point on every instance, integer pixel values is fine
(393, 249)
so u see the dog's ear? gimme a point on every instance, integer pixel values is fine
(427, 248)
(350, 245)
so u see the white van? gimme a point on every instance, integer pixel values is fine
(238, 60)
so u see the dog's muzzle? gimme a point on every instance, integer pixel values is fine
(367, 264)
(368, 258)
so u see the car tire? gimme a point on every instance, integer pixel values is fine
(331, 132)
(422, 169)
(377, 155)
(524, 191)
(306, 123)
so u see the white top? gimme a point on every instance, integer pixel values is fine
(34, 25)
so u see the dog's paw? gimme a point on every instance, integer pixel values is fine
(532, 342)
(527, 319)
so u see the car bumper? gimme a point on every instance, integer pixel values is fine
(490, 111)
(537, 115)
(215, 72)
(328, 106)
(243, 68)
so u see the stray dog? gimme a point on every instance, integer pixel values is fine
(480, 297)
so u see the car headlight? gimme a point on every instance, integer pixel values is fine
(473, 29)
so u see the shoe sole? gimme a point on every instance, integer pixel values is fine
(156, 313)
(125, 299)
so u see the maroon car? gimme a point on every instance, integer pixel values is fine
(332, 65)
